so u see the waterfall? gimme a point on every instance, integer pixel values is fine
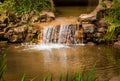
(65, 34)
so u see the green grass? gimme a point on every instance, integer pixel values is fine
(2, 67)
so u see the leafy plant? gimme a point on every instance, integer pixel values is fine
(7, 6)
(113, 17)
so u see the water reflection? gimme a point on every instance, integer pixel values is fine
(56, 60)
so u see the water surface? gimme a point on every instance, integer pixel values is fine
(39, 62)
(66, 11)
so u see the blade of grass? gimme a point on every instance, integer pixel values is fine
(67, 77)
(61, 77)
(23, 78)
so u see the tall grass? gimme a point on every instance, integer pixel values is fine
(78, 76)
(2, 67)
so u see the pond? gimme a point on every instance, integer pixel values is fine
(42, 60)
(66, 8)
(66, 11)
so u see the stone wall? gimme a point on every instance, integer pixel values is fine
(20, 28)
(94, 25)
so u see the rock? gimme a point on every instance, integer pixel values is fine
(88, 28)
(47, 16)
(43, 17)
(25, 18)
(87, 17)
(91, 44)
(118, 38)
(3, 18)
(98, 35)
(16, 34)
(13, 38)
(29, 37)
(101, 30)
(117, 44)
(21, 29)
(97, 14)
(1, 34)
(34, 19)
(103, 23)
(3, 25)
(35, 31)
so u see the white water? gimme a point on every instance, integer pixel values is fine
(45, 46)
(48, 46)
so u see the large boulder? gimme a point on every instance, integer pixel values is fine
(97, 14)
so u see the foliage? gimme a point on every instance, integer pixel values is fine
(104, 4)
(7, 6)
(24, 6)
(2, 67)
(71, 77)
(32, 5)
(113, 17)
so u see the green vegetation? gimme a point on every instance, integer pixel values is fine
(2, 67)
(72, 77)
(113, 17)
(24, 6)
(104, 4)
(79, 76)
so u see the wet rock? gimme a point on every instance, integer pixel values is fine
(88, 28)
(117, 44)
(90, 44)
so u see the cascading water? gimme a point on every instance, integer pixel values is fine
(50, 35)
(64, 34)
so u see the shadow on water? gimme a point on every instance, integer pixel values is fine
(55, 60)
(66, 8)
